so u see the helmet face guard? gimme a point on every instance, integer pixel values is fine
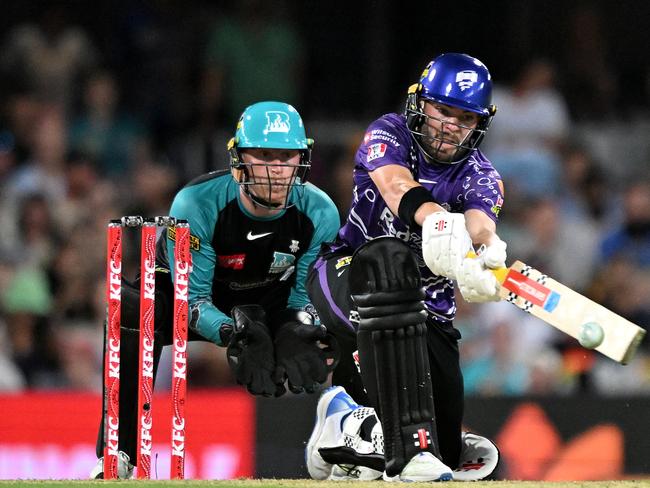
(262, 186)
(459, 81)
(270, 125)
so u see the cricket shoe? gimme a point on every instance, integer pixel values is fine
(346, 436)
(424, 466)
(124, 468)
(348, 472)
(479, 458)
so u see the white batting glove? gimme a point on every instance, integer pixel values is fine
(445, 243)
(494, 255)
(476, 283)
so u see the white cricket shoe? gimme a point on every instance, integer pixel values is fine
(332, 406)
(423, 467)
(348, 472)
(337, 433)
(124, 468)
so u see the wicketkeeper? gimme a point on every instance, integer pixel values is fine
(255, 230)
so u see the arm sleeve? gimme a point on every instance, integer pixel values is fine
(325, 217)
(205, 318)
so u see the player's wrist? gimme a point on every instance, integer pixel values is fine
(411, 202)
(225, 333)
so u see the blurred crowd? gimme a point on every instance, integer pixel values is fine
(87, 135)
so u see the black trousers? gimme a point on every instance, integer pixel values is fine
(129, 352)
(328, 288)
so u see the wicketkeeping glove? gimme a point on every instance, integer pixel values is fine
(299, 356)
(250, 351)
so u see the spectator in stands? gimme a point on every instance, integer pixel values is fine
(632, 239)
(525, 138)
(545, 239)
(584, 183)
(255, 54)
(113, 138)
(49, 56)
(26, 303)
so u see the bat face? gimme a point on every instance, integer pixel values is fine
(567, 310)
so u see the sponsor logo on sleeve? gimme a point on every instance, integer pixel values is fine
(496, 208)
(195, 242)
(376, 151)
(381, 135)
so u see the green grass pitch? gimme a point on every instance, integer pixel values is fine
(271, 483)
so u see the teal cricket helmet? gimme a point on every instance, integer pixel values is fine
(274, 125)
(270, 125)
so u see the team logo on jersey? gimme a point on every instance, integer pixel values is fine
(466, 79)
(281, 262)
(233, 261)
(277, 122)
(496, 208)
(376, 151)
(294, 246)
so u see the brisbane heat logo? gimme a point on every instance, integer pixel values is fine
(277, 122)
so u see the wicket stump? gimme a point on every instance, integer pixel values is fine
(182, 267)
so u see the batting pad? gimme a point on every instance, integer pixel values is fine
(385, 286)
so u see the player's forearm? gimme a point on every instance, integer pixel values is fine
(394, 182)
(425, 210)
(480, 227)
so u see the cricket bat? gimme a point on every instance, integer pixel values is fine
(567, 310)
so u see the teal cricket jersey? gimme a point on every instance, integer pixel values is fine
(240, 259)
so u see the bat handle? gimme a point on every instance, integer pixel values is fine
(499, 273)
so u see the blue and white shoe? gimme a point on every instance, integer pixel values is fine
(423, 467)
(336, 450)
(333, 405)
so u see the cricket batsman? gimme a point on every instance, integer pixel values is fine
(424, 196)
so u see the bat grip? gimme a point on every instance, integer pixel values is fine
(499, 273)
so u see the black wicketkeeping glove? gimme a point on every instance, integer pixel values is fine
(299, 355)
(250, 351)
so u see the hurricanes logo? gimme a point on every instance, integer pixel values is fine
(466, 79)
(277, 122)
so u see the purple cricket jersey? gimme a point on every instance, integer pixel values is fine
(456, 187)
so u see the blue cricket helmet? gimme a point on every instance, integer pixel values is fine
(457, 80)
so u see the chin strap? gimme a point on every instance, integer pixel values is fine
(257, 201)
